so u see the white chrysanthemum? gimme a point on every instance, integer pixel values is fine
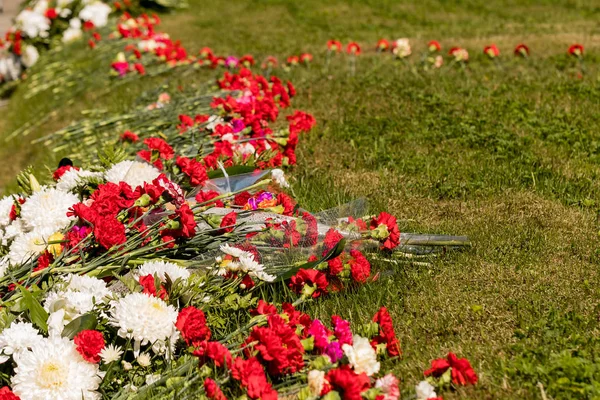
(73, 177)
(234, 251)
(145, 319)
(13, 230)
(40, 6)
(18, 337)
(425, 391)
(97, 12)
(110, 353)
(55, 370)
(361, 356)
(32, 23)
(161, 269)
(72, 34)
(27, 246)
(77, 295)
(144, 360)
(29, 56)
(134, 173)
(3, 265)
(6, 204)
(47, 209)
(279, 177)
(316, 381)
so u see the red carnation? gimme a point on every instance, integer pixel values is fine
(334, 45)
(312, 231)
(252, 377)
(205, 195)
(130, 137)
(139, 68)
(191, 322)
(149, 287)
(51, 13)
(287, 202)
(228, 222)
(263, 308)
(434, 46)
(193, 169)
(576, 50)
(386, 334)
(109, 232)
(89, 344)
(383, 45)
(7, 394)
(387, 230)
(462, 372)
(360, 268)
(164, 150)
(332, 238)
(309, 281)
(348, 383)
(492, 51)
(214, 351)
(522, 50)
(353, 48)
(213, 392)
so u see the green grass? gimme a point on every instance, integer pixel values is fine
(508, 155)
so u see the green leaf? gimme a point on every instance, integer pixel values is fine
(37, 314)
(333, 253)
(86, 321)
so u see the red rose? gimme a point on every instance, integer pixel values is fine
(228, 222)
(191, 322)
(7, 394)
(109, 232)
(213, 392)
(89, 344)
(310, 278)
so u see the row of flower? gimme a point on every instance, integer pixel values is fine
(176, 264)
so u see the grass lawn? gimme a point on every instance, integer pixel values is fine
(507, 153)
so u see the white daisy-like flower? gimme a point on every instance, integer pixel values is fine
(96, 12)
(54, 369)
(29, 245)
(4, 264)
(6, 204)
(279, 177)
(144, 360)
(134, 173)
(145, 319)
(14, 229)
(234, 251)
(110, 353)
(361, 356)
(73, 177)
(425, 391)
(161, 269)
(254, 268)
(47, 209)
(18, 337)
